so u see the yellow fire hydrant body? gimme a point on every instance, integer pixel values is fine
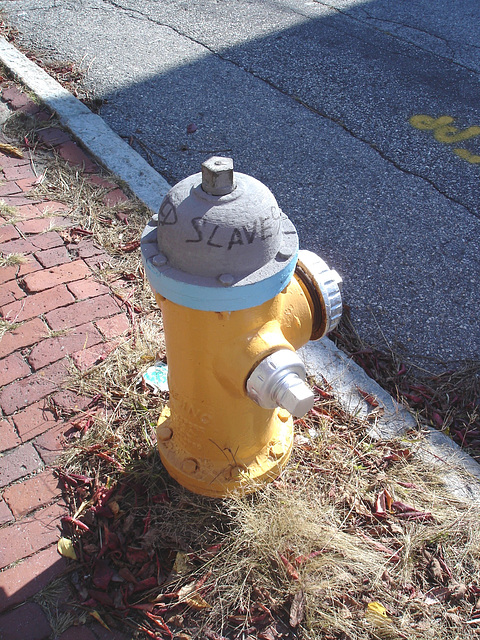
(233, 373)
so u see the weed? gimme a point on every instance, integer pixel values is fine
(6, 325)
(7, 211)
(13, 260)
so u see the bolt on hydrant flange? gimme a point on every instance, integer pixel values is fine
(238, 299)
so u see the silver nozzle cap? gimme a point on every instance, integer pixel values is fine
(279, 381)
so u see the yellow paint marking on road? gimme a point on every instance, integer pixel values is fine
(427, 122)
(452, 134)
(444, 131)
(442, 128)
(466, 155)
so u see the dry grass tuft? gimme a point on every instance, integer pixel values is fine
(6, 325)
(7, 211)
(350, 523)
(123, 414)
(49, 599)
(21, 126)
(12, 260)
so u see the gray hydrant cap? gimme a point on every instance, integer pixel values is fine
(224, 225)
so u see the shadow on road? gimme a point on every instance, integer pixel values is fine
(320, 112)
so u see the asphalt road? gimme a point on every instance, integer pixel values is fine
(361, 116)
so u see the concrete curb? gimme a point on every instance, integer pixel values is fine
(323, 359)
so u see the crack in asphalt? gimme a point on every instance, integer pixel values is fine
(380, 152)
(417, 30)
(312, 109)
(403, 39)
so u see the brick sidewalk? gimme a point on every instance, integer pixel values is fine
(61, 317)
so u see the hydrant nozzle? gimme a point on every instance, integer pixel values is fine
(279, 381)
(237, 299)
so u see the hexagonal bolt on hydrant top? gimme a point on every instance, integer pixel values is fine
(237, 299)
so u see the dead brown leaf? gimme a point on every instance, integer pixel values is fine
(368, 397)
(297, 609)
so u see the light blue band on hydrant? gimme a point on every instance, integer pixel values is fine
(207, 294)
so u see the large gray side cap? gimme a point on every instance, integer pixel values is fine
(235, 228)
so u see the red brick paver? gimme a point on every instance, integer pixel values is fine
(86, 248)
(17, 200)
(8, 232)
(36, 305)
(54, 349)
(13, 367)
(23, 336)
(82, 312)
(9, 437)
(26, 184)
(36, 386)
(41, 225)
(36, 492)
(47, 240)
(11, 272)
(26, 211)
(10, 292)
(7, 190)
(30, 534)
(5, 514)
(17, 245)
(34, 420)
(52, 443)
(114, 326)
(25, 579)
(87, 358)
(101, 182)
(53, 257)
(51, 206)
(83, 289)
(69, 401)
(58, 317)
(18, 173)
(15, 98)
(28, 621)
(115, 197)
(13, 161)
(18, 463)
(48, 278)
(72, 154)
(52, 136)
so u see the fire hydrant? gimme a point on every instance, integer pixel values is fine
(237, 300)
